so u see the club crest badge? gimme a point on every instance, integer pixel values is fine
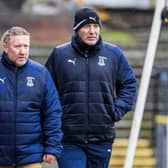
(30, 82)
(101, 61)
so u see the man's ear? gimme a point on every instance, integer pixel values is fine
(5, 47)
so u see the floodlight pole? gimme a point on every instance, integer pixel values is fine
(144, 84)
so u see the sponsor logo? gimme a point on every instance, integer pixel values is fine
(72, 61)
(92, 18)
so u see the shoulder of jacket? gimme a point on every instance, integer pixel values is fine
(61, 49)
(109, 45)
(33, 65)
(63, 46)
(113, 47)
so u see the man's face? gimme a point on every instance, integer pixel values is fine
(89, 34)
(17, 49)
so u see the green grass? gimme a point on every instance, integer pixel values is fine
(119, 37)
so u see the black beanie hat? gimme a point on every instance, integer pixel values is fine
(85, 16)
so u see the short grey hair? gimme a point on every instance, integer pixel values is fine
(13, 31)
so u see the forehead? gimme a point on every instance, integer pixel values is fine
(20, 38)
(90, 25)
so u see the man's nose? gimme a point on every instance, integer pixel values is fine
(22, 50)
(92, 29)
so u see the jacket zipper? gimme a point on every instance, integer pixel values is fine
(14, 113)
(87, 88)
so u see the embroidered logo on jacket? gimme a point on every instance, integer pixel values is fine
(72, 61)
(101, 61)
(2, 80)
(30, 82)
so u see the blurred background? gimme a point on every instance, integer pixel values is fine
(126, 23)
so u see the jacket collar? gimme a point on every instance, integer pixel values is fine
(8, 63)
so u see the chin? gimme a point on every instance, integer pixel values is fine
(19, 64)
(92, 43)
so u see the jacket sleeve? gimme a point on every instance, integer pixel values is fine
(51, 119)
(125, 88)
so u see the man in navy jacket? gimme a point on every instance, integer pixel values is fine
(30, 111)
(97, 87)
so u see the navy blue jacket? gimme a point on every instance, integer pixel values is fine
(96, 86)
(30, 113)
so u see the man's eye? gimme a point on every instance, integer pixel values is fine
(18, 46)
